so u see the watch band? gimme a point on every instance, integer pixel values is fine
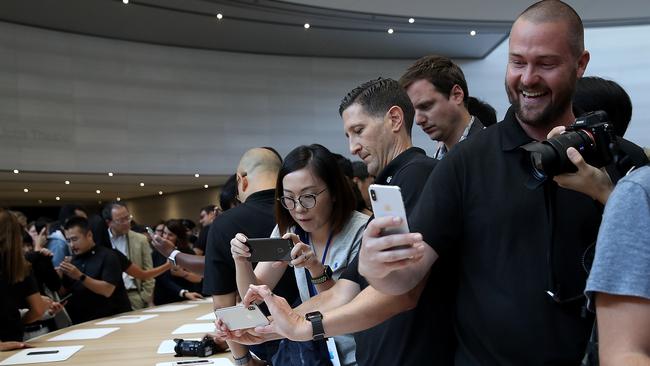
(82, 278)
(316, 319)
(172, 256)
(327, 274)
(243, 360)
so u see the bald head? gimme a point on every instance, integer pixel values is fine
(554, 11)
(257, 171)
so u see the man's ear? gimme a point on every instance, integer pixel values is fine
(244, 183)
(396, 117)
(456, 94)
(583, 60)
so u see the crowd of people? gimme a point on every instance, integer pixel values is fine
(503, 265)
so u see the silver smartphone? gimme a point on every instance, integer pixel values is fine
(242, 317)
(387, 201)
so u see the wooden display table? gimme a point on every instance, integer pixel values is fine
(133, 344)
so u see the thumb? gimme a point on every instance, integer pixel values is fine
(295, 238)
(576, 158)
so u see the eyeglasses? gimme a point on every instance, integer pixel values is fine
(307, 200)
(123, 220)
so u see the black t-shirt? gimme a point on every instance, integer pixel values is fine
(254, 218)
(424, 335)
(203, 238)
(13, 297)
(43, 271)
(513, 244)
(101, 264)
(168, 286)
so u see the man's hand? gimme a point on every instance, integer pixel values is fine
(70, 270)
(162, 245)
(238, 248)
(381, 255)
(589, 180)
(41, 240)
(242, 336)
(192, 296)
(285, 321)
(10, 346)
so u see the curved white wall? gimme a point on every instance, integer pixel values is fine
(84, 104)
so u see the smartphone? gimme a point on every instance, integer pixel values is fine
(242, 317)
(387, 201)
(269, 249)
(151, 233)
(64, 298)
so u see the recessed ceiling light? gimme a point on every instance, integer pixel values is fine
(118, 199)
(110, 174)
(307, 25)
(390, 31)
(98, 191)
(141, 184)
(67, 182)
(472, 33)
(219, 16)
(205, 186)
(411, 20)
(57, 198)
(160, 192)
(40, 201)
(25, 190)
(16, 171)
(197, 175)
(125, 1)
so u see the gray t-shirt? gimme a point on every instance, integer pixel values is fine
(342, 250)
(622, 262)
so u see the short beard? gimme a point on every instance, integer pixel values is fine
(549, 115)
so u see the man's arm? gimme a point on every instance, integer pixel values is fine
(394, 264)
(147, 264)
(194, 263)
(97, 286)
(623, 329)
(222, 301)
(341, 293)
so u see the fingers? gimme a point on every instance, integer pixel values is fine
(375, 227)
(301, 254)
(576, 158)
(294, 237)
(556, 131)
(389, 242)
(238, 248)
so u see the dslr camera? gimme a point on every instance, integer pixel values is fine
(203, 348)
(592, 135)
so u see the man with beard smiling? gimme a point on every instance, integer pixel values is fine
(519, 251)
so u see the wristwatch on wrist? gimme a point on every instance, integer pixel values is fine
(327, 274)
(82, 278)
(316, 319)
(243, 360)
(172, 257)
(183, 292)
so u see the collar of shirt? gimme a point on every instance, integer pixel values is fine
(260, 195)
(386, 175)
(441, 151)
(115, 237)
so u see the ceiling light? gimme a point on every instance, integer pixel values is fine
(125, 1)
(205, 186)
(160, 192)
(390, 31)
(196, 175)
(16, 171)
(40, 201)
(110, 174)
(411, 20)
(118, 199)
(67, 182)
(219, 16)
(307, 25)
(141, 184)
(25, 190)
(98, 191)
(472, 33)
(57, 198)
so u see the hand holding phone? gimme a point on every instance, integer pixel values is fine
(242, 317)
(269, 249)
(387, 201)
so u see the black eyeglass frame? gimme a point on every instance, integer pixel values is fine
(299, 200)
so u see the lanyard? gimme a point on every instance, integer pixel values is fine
(312, 289)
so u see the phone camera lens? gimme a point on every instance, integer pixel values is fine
(251, 308)
(373, 195)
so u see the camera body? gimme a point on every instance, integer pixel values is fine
(592, 135)
(203, 348)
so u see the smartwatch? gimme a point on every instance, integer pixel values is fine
(327, 274)
(82, 278)
(243, 360)
(316, 319)
(172, 257)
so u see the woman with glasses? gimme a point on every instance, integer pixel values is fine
(315, 208)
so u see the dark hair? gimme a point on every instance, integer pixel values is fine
(440, 71)
(207, 209)
(377, 97)
(77, 221)
(13, 266)
(546, 11)
(176, 226)
(100, 231)
(594, 93)
(189, 224)
(107, 212)
(323, 164)
(68, 210)
(359, 170)
(345, 164)
(482, 110)
(228, 195)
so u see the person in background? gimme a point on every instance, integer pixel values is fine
(207, 214)
(482, 110)
(363, 180)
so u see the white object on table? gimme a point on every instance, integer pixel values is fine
(207, 300)
(170, 308)
(195, 328)
(79, 334)
(208, 316)
(41, 355)
(127, 319)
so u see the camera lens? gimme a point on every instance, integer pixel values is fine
(373, 195)
(251, 308)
